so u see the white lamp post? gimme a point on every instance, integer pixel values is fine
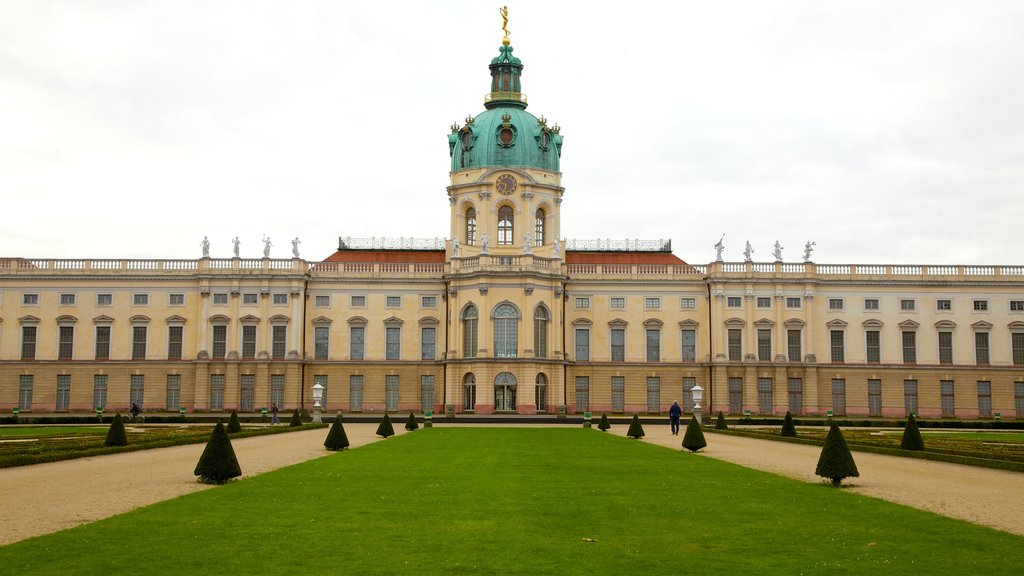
(698, 395)
(318, 397)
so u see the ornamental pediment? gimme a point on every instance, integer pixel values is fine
(220, 319)
(321, 320)
(357, 321)
(689, 324)
(29, 319)
(982, 325)
(618, 323)
(280, 319)
(1016, 326)
(872, 323)
(393, 321)
(66, 319)
(836, 323)
(429, 320)
(139, 319)
(764, 323)
(794, 323)
(653, 322)
(250, 319)
(945, 324)
(735, 322)
(103, 319)
(909, 325)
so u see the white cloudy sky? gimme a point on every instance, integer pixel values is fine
(888, 132)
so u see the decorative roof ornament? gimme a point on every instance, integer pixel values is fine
(504, 24)
(469, 120)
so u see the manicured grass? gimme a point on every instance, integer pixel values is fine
(40, 431)
(520, 501)
(1007, 437)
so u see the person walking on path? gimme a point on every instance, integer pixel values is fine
(273, 415)
(674, 413)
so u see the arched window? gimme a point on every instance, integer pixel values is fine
(538, 234)
(471, 226)
(506, 331)
(469, 392)
(541, 390)
(540, 331)
(505, 232)
(469, 326)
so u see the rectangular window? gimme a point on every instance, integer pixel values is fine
(764, 302)
(216, 392)
(391, 393)
(838, 397)
(985, 400)
(653, 345)
(428, 302)
(280, 300)
(583, 345)
(250, 299)
(835, 304)
(764, 345)
(220, 299)
(278, 344)
(428, 343)
(104, 299)
(1018, 348)
(220, 341)
(793, 303)
(321, 342)
(173, 397)
(582, 303)
(652, 303)
(874, 397)
(140, 299)
(30, 299)
(277, 390)
(63, 393)
(618, 394)
(138, 342)
(617, 303)
(618, 344)
(358, 302)
(469, 394)
(943, 305)
(248, 341)
(65, 342)
(392, 342)
(688, 383)
(873, 340)
(393, 301)
(909, 347)
(322, 301)
(355, 393)
(540, 335)
(981, 348)
(25, 385)
(945, 347)
(103, 342)
(99, 391)
(735, 336)
(910, 397)
(689, 345)
(793, 345)
(871, 304)
(67, 299)
(137, 390)
(795, 388)
(176, 299)
(946, 399)
(582, 393)
(426, 393)
(907, 305)
(653, 395)
(837, 338)
(174, 342)
(981, 305)
(247, 392)
(1018, 398)
(688, 303)
(540, 393)
(1016, 305)
(734, 302)
(735, 395)
(28, 342)
(356, 343)
(764, 395)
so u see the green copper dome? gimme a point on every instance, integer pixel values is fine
(505, 134)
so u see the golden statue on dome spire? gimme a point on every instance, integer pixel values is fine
(504, 24)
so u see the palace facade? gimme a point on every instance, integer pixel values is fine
(506, 316)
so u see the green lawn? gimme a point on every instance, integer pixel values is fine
(520, 501)
(39, 431)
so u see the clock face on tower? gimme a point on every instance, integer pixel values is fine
(505, 184)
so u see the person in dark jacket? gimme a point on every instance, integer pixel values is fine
(674, 413)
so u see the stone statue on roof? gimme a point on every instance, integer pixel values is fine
(808, 248)
(748, 253)
(236, 243)
(266, 246)
(485, 243)
(719, 247)
(778, 251)
(205, 244)
(295, 246)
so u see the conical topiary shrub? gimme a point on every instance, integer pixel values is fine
(296, 419)
(720, 422)
(912, 436)
(233, 424)
(604, 424)
(694, 440)
(337, 439)
(116, 436)
(218, 464)
(385, 429)
(636, 430)
(411, 424)
(836, 462)
(788, 429)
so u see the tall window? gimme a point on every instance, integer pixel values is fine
(582, 393)
(1018, 349)
(65, 342)
(28, 342)
(540, 331)
(355, 393)
(910, 397)
(505, 392)
(945, 347)
(874, 346)
(764, 345)
(735, 395)
(653, 345)
(220, 340)
(538, 225)
(470, 226)
(946, 398)
(795, 388)
(618, 344)
(909, 347)
(653, 395)
(837, 340)
(838, 397)
(874, 397)
(137, 390)
(138, 342)
(427, 393)
(279, 335)
(981, 347)
(277, 390)
(103, 342)
(469, 393)
(735, 347)
(1018, 398)
(688, 383)
(356, 342)
(392, 343)
(25, 385)
(247, 392)
(99, 391)
(506, 233)
(506, 331)
(469, 332)
(391, 393)
(985, 400)
(321, 342)
(618, 394)
(175, 336)
(248, 341)
(764, 395)
(793, 345)
(63, 392)
(582, 344)
(541, 393)
(428, 342)
(216, 392)
(689, 345)
(173, 395)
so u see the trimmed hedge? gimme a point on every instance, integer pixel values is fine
(218, 463)
(788, 429)
(911, 436)
(836, 461)
(296, 419)
(636, 430)
(411, 424)
(337, 439)
(604, 425)
(234, 426)
(116, 436)
(694, 440)
(720, 422)
(385, 428)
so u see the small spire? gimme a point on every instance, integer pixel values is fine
(504, 24)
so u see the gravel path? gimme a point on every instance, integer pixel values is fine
(49, 497)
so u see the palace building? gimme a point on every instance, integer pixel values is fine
(507, 316)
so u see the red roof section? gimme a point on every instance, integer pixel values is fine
(623, 258)
(398, 256)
